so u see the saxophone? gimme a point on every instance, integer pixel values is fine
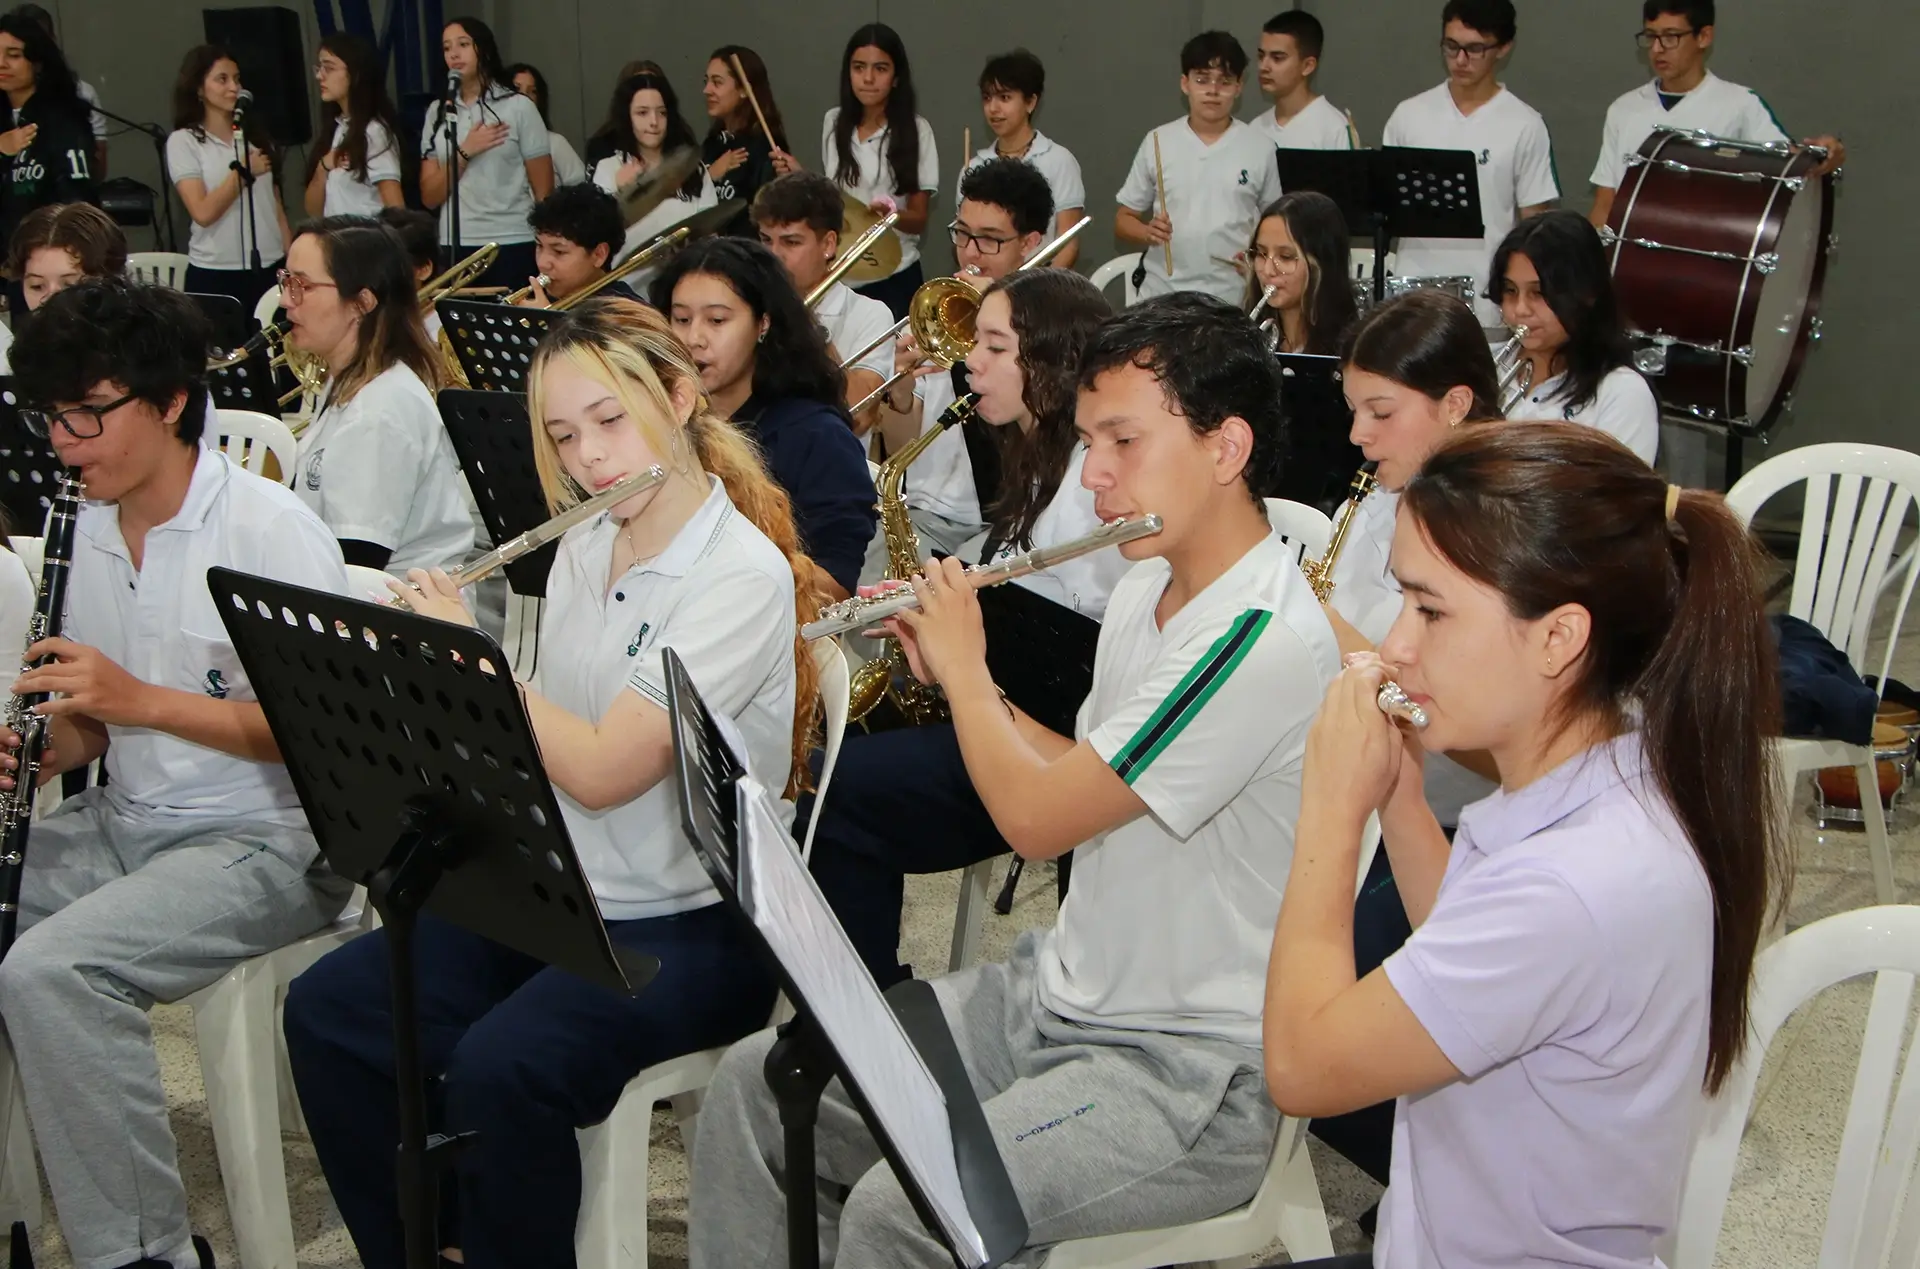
(49, 614)
(889, 675)
(1319, 572)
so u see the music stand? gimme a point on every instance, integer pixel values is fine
(409, 746)
(493, 341)
(29, 467)
(894, 1054)
(1320, 460)
(232, 325)
(492, 438)
(1392, 192)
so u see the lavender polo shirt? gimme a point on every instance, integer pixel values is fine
(1565, 971)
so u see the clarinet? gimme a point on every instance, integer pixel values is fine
(49, 614)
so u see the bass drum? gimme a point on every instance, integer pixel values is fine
(1719, 255)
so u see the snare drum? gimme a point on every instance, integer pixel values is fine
(1460, 287)
(1719, 254)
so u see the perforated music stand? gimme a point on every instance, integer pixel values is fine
(1392, 192)
(1320, 459)
(409, 746)
(708, 774)
(493, 341)
(495, 445)
(29, 467)
(232, 325)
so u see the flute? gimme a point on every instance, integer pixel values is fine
(860, 612)
(1394, 702)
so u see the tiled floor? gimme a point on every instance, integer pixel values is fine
(1777, 1210)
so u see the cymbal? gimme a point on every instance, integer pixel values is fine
(656, 185)
(712, 220)
(879, 260)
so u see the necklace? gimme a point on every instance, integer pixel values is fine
(1021, 153)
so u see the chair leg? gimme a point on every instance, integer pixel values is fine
(1879, 846)
(1303, 1217)
(610, 1233)
(970, 916)
(19, 1172)
(233, 1023)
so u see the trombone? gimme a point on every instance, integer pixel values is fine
(849, 258)
(942, 314)
(638, 260)
(458, 277)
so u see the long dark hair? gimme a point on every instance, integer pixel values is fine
(363, 254)
(540, 94)
(53, 79)
(903, 127)
(1567, 253)
(1432, 343)
(792, 361)
(190, 112)
(367, 103)
(1321, 233)
(605, 139)
(1560, 513)
(762, 91)
(619, 123)
(1054, 313)
(486, 50)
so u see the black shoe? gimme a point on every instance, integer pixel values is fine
(1368, 1221)
(201, 1250)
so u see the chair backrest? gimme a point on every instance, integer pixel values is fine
(269, 305)
(1306, 529)
(32, 553)
(162, 268)
(1856, 501)
(250, 439)
(1119, 267)
(836, 687)
(1868, 1213)
(368, 583)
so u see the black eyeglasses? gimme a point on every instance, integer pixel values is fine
(1668, 40)
(1472, 52)
(982, 243)
(83, 422)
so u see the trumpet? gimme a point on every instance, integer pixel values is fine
(541, 534)
(459, 276)
(1319, 573)
(860, 613)
(849, 258)
(514, 297)
(942, 314)
(1514, 369)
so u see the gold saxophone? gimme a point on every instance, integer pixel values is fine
(1319, 572)
(888, 676)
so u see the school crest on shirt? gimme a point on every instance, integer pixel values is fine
(633, 649)
(1246, 177)
(1486, 157)
(216, 685)
(313, 468)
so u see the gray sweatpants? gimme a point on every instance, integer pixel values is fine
(1102, 1131)
(120, 910)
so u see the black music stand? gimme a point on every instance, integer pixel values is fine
(1392, 192)
(1320, 460)
(409, 745)
(232, 324)
(495, 446)
(29, 467)
(250, 384)
(894, 1054)
(493, 341)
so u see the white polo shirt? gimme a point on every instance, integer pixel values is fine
(199, 155)
(1214, 197)
(1623, 408)
(495, 195)
(19, 592)
(161, 625)
(1170, 919)
(91, 95)
(1085, 584)
(670, 212)
(568, 168)
(1053, 161)
(852, 321)
(381, 469)
(941, 479)
(1715, 105)
(875, 176)
(1509, 140)
(350, 195)
(721, 596)
(1367, 596)
(1321, 126)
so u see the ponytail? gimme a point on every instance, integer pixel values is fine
(1552, 514)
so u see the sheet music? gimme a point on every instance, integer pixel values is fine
(781, 898)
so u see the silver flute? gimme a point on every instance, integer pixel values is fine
(1394, 701)
(861, 613)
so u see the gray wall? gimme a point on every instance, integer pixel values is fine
(1113, 72)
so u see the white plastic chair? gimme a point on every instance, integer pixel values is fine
(1119, 267)
(369, 583)
(269, 304)
(161, 268)
(1856, 500)
(249, 437)
(611, 1230)
(1869, 1214)
(1306, 529)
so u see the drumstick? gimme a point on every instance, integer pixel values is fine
(1160, 187)
(752, 100)
(966, 156)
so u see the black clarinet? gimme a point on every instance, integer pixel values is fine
(49, 614)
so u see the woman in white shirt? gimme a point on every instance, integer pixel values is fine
(650, 127)
(501, 152)
(358, 171)
(878, 148)
(237, 241)
(531, 84)
(1550, 275)
(376, 463)
(705, 564)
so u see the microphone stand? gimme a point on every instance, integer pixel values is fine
(158, 135)
(246, 189)
(450, 119)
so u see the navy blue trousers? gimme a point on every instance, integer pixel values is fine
(519, 1053)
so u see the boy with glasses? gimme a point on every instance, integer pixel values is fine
(1301, 119)
(1676, 36)
(1202, 186)
(1473, 111)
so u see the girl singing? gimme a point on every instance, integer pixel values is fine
(218, 152)
(358, 171)
(709, 565)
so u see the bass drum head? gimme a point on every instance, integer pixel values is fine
(1788, 297)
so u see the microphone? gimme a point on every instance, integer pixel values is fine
(453, 86)
(241, 104)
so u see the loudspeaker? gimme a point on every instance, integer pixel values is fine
(273, 65)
